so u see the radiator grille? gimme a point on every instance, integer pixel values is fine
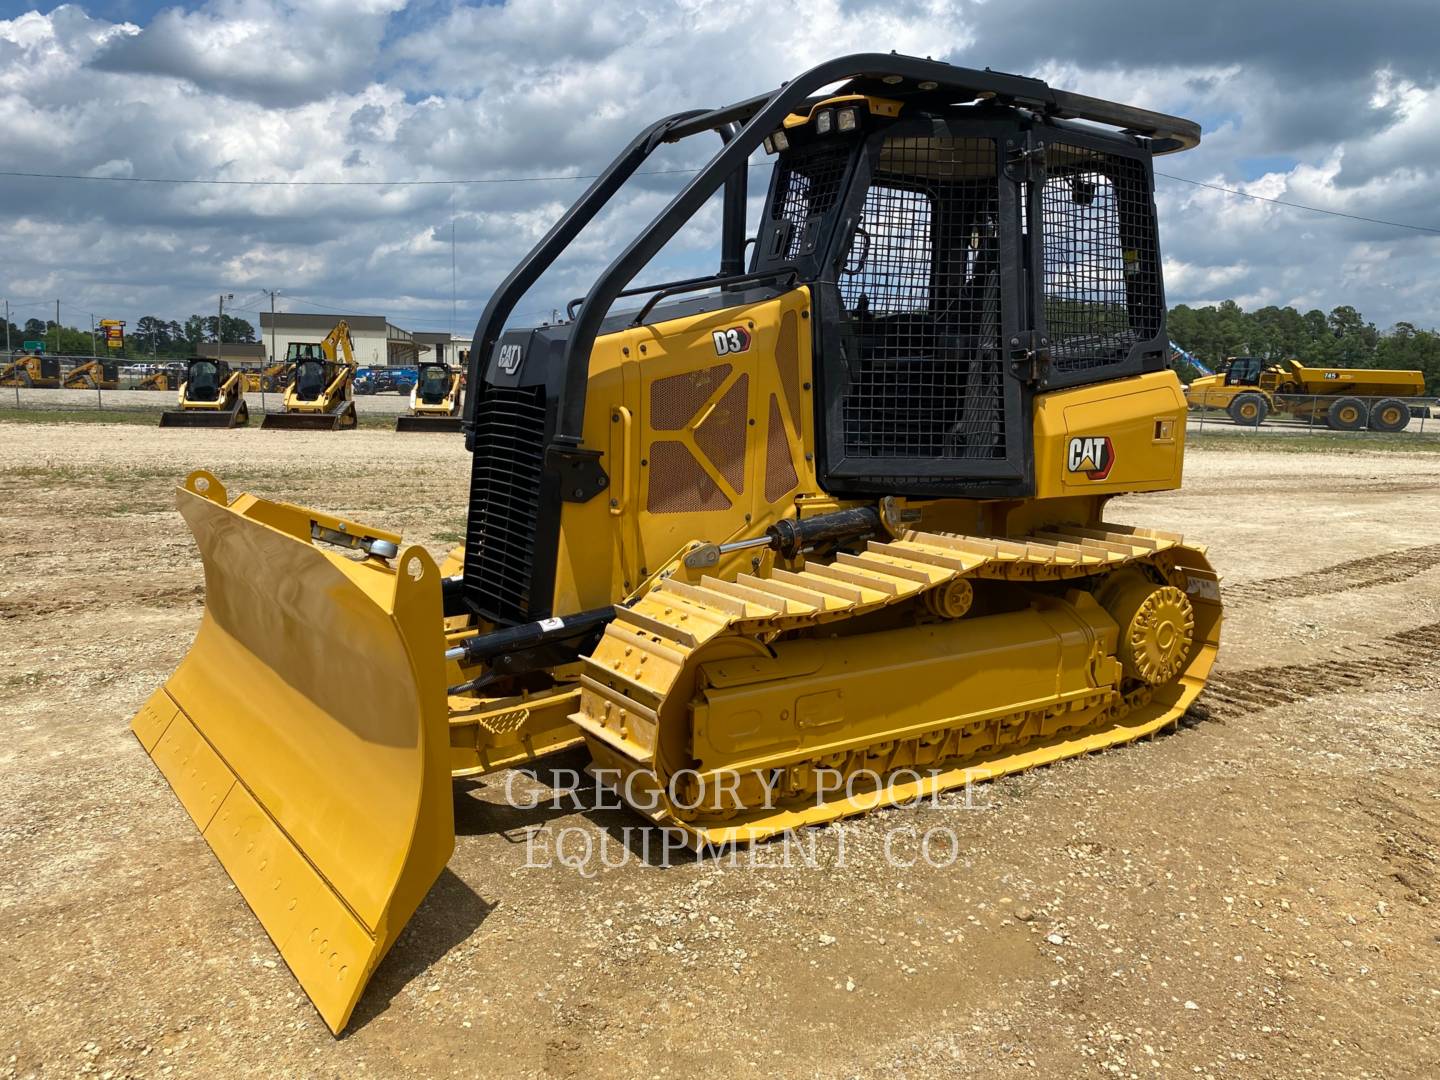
(1102, 271)
(505, 484)
(922, 291)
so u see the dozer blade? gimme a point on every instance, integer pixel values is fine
(427, 423)
(305, 733)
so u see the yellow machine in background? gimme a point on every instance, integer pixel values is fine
(321, 394)
(434, 400)
(94, 374)
(155, 380)
(1344, 399)
(791, 542)
(212, 395)
(32, 369)
(269, 379)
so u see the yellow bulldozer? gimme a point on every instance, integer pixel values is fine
(792, 541)
(94, 374)
(321, 393)
(435, 400)
(1343, 399)
(212, 394)
(32, 368)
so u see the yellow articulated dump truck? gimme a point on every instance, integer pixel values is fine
(819, 533)
(212, 395)
(1343, 399)
(435, 399)
(321, 392)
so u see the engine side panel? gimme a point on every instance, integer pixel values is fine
(704, 423)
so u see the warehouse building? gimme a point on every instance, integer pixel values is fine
(376, 340)
(450, 349)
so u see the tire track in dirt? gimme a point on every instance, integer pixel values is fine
(1369, 572)
(1401, 655)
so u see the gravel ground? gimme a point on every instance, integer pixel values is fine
(1252, 896)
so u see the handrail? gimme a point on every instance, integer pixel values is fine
(719, 281)
(543, 254)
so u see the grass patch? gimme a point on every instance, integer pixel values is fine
(1328, 442)
(144, 417)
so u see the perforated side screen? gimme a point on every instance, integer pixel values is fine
(1102, 283)
(675, 398)
(921, 287)
(678, 483)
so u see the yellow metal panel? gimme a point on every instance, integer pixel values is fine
(153, 718)
(1134, 427)
(610, 545)
(200, 779)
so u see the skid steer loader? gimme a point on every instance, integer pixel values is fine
(792, 541)
(434, 400)
(32, 368)
(321, 394)
(212, 395)
(94, 375)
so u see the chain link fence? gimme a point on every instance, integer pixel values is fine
(135, 390)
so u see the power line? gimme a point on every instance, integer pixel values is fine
(645, 172)
(1300, 206)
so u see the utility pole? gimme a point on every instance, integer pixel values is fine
(57, 327)
(272, 293)
(220, 326)
(7, 329)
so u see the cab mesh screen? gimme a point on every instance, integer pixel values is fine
(921, 288)
(1101, 272)
(808, 186)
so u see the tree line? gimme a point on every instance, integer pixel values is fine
(1342, 338)
(150, 336)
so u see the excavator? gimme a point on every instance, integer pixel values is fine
(94, 375)
(320, 396)
(212, 395)
(818, 533)
(32, 368)
(434, 400)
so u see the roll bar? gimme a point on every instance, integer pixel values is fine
(743, 126)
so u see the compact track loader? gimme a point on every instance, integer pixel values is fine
(434, 400)
(32, 369)
(321, 394)
(94, 375)
(212, 395)
(792, 541)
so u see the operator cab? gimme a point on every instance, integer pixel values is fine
(1243, 370)
(434, 384)
(311, 379)
(204, 378)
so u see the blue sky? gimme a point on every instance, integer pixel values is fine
(1337, 110)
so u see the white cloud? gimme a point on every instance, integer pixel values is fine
(243, 89)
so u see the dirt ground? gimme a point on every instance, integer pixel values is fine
(1255, 895)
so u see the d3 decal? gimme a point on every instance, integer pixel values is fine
(1092, 455)
(733, 340)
